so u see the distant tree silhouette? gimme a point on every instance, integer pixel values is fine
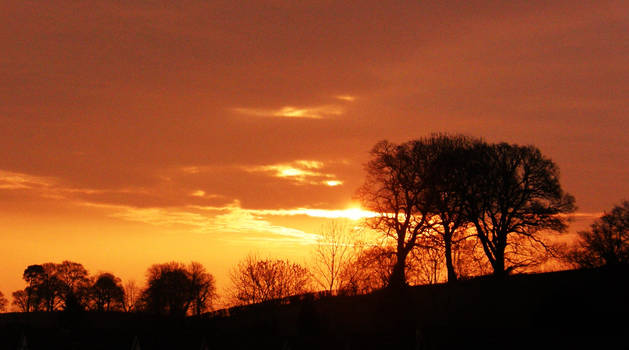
(256, 280)
(426, 265)
(606, 243)
(368, 271)
(131, 296)
(169, 289)
(510, 192)
(20, 301)
(50, 286)
(53, 290)
(107, 293)
(334, 252)
(203, 288)
(3, 303)
(371, 269)
(175, 289)
(75, 283)
(35, 277)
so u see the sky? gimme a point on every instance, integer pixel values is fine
(141, 132)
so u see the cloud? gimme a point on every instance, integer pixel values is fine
(300, 171)
(14, 181)
(227, 219)
(347, 98)
(317, 112)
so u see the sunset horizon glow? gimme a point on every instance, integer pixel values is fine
(136, 133)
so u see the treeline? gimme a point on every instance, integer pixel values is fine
(171, 289)
(445, 208)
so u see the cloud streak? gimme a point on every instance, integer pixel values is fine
(316, 112)
(300, 171)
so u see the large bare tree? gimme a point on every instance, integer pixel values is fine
(396, 189)
(414, 187)
(512, 194)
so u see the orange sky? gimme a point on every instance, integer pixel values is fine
(134, 133)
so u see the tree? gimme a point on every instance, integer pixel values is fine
(511, 191)
(175, 289)
(169, 289)
(257, 280)
(607, 241)
(415, 189)
(203, 288)
(131, 296)
(35, 276)
(3, 303)
(396, 188)
(107, 293)
(369, 270)
(20, 300)
(426, 265)
(446, 156)
(75, 283)
(52, 286)
(332, 255)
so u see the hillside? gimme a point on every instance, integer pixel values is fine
(570, 309)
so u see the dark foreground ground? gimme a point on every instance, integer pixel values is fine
(587, 309)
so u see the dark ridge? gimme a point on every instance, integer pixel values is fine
(581, 309)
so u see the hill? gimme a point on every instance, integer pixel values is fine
(570, 309)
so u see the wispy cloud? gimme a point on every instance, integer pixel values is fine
(354, 213)
(227, 219)
(15, 181)
(316, 112)
(301, 171)
(347, 98)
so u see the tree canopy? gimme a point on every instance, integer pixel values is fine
(606, 243)
(444, 189)
(256, 280)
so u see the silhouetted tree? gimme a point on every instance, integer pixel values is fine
(107, 293)
(203, 288)
(3, 303)
(512, 190)
(20, 300)
(51, 285)
(334, 252)
(52, 291)
(396, 188)
(131, 296)
(426, 265)
(256, 280)
(169, 289)
(75, 283)
(415, 187)
(607, 241)
(368, 271)
(35, 276)
(446, 155)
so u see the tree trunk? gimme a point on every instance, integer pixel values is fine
(499, 263)
(447, 238)
(397, 279)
